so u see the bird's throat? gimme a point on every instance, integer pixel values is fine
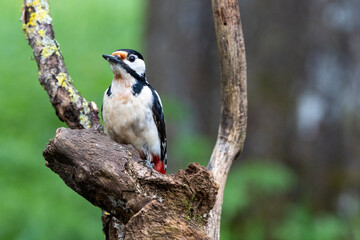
(122, 81)
(118, 76)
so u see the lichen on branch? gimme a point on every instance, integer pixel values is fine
(70, 106)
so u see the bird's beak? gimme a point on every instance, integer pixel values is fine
(111, 59)
(114, 57)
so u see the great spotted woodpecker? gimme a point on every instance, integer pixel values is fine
(132, 111)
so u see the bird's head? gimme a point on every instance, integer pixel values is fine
(126, 61)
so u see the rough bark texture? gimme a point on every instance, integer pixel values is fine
(70, 106)
(151, 205)
(232, 130)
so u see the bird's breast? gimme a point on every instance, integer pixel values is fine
(128, 119)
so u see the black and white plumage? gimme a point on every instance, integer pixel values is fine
(132, 111)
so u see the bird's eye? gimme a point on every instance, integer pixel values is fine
(131, 58)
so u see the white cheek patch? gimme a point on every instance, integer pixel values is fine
(138, 66)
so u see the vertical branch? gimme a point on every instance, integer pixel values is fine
(232, 129)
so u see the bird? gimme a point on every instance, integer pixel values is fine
(132, 111)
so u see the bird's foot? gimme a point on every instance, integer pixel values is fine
(100, 128)
(149, 165)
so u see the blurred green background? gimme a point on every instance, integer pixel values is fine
(266, 197)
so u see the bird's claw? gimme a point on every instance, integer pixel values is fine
(100, 128)
(149, 165)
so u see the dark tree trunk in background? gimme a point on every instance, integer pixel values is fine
(182, 60)
(303, 92)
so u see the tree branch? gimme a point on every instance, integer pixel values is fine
(70, 106)
(150, 205)
(232, 129)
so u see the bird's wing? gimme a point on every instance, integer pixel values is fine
(160, 124)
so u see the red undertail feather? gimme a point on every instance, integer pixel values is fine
(159, 165)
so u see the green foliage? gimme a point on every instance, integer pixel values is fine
(192, 147)
(300, 224)
(255, 208)
(254, 178)
(251, 182)
(188, 145)
(34, 202)
(175, 110)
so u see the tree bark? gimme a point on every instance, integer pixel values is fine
(138, 204)
(70, 106)
(150, 205)
(232, 129)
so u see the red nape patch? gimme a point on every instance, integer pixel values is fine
(159, 165)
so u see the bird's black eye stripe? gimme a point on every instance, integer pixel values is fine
(131, 58)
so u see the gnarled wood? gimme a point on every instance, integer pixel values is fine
(232, 130)
(151, 205)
